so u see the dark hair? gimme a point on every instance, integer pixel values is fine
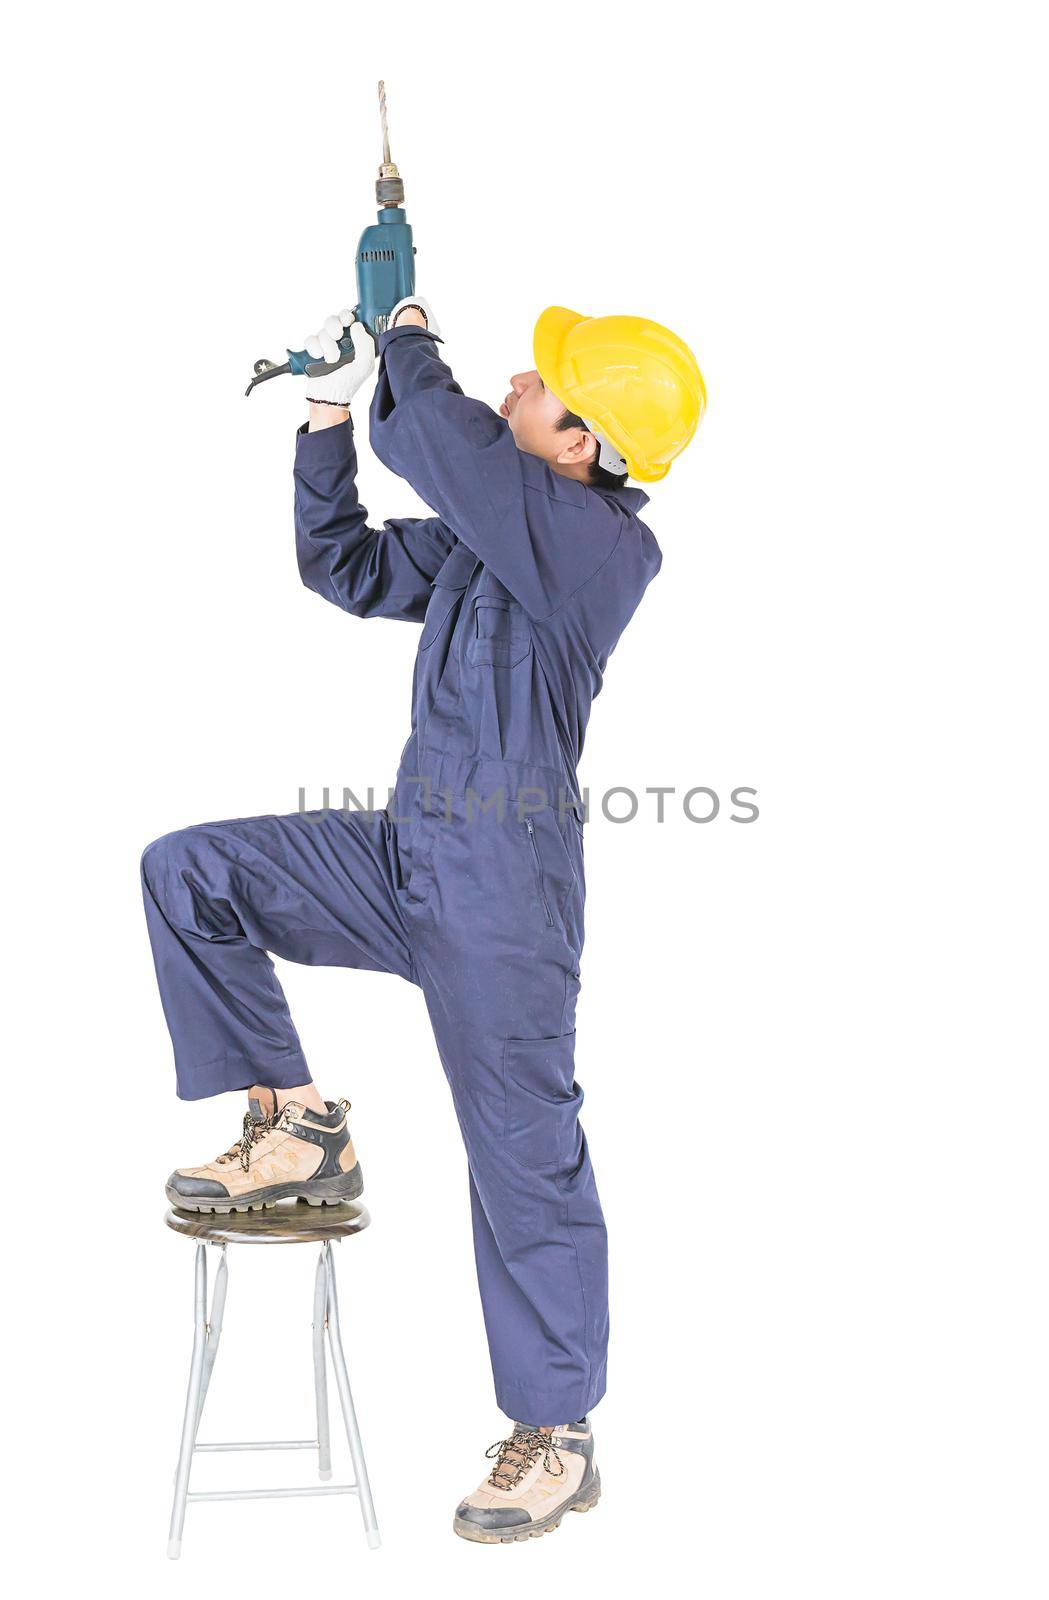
(599, 477)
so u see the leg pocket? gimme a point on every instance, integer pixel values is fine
(542, 1102)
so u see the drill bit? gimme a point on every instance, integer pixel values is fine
(385, 131)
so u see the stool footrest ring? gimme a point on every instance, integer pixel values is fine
(273, 1494)
(262, 1444)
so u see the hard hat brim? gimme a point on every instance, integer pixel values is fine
(551, 330)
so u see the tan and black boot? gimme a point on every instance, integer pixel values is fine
(291, 1154)
(537, 1477)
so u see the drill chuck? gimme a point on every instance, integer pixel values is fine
(389, 187)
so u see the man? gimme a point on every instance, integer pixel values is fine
(471, 883)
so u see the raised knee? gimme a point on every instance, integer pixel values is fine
(163, 857)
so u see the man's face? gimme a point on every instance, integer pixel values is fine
(533, 413)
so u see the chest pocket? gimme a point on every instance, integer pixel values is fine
(500, 635)
(448, 588)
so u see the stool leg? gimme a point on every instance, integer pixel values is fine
(320, 1373)
(214, 1332)
(349, 1416)
(189, 1421)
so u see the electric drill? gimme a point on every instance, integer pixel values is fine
(385, 267)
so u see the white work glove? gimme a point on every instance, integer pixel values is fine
(420, 304)
(338, 388)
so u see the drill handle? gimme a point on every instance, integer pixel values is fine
(300, 361)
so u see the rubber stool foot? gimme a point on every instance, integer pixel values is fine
(324, 1473)
(374, 1541)
(174, 1549)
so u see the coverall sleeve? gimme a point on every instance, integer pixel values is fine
(371, 572)
(541, 534)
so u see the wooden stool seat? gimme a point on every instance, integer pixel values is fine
(288, 1222)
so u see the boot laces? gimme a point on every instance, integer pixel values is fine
(253, 1130)
(514, 1457)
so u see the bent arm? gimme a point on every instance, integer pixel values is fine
(371, 572)
(543, 535)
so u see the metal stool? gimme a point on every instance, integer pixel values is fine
(295, 1224)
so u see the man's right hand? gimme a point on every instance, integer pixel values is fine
(335, 390)
(414, 312)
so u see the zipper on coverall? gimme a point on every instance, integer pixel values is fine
(529, 824)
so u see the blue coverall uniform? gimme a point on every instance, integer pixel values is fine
(523, 581)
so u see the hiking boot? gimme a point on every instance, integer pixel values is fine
(291, 1154)
(537, 1477)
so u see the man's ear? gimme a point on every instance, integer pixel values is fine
(579, 450)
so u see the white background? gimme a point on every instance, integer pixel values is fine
(813, 1048)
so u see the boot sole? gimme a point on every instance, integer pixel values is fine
(318, 1192)
(583, 1500)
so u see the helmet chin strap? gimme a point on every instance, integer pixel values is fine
(608, 456)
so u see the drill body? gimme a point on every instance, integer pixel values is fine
(385, 267)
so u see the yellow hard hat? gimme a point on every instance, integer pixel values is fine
(631, 379)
